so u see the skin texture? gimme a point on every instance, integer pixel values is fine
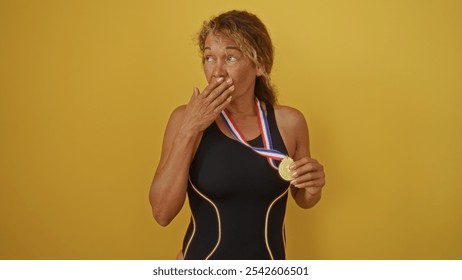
(231, 81)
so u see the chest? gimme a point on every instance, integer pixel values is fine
(225, 169)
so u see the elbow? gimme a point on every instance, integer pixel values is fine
(163, 210)
(158, 213)
(161, 218)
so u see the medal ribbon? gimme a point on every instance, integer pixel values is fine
(268, 151)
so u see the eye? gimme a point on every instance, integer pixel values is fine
(231, 58)
(208, 58)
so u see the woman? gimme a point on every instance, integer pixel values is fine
(224, 147)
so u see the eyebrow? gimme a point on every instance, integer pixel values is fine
(232, 48)
(227, 48)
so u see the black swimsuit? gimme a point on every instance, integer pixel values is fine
(237, 200)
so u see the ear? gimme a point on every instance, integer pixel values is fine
(260, 70)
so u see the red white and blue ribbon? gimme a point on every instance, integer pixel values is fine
(268, 151)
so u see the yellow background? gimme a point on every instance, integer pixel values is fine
(87, 87)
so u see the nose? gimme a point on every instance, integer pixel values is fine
(219, 69)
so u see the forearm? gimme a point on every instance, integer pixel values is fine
(168, 190)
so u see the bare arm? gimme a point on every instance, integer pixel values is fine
(168, 189)
(181, 139)
(309, 174)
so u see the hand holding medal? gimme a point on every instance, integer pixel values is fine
(308, 173)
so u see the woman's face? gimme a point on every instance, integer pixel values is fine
(223, 58)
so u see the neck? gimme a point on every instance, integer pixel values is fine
(244, 106)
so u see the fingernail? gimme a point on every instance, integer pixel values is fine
(294, 174)
(231, 88)
(292, 166)
(220, 79)
(229, 81)
(229, 98)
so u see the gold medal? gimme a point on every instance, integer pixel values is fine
(284, 169)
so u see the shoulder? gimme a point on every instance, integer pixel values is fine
(176, 118)
(289, 118)
(178, 111)
(293, 128)
(177, 114)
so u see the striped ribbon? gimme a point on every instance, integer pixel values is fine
(268, 151)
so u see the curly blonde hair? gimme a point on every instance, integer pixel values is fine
(252, 37)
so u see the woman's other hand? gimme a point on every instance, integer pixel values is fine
(308, 173)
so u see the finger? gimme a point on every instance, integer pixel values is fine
(195, 96)
(306, 168)
(218, 91)
(307, 177)
(211, 87)
(312, 186)
(196, 91)
(222, 98)
(302, 161)
(223, 105)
